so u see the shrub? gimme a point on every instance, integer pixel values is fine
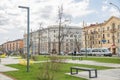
(48, 69)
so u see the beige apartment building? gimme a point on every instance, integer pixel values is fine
(106, 34)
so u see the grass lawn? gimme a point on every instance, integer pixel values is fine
(104, 59)
(93, 58)
(37, 69)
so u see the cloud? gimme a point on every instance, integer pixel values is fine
(114, 12)
(46, 11)
(2, 30)
(104, 8)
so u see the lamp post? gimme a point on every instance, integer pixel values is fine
(115, 6)
(28, 36)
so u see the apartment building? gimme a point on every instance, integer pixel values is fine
(13, 46)
(45, 40)
(106, 34)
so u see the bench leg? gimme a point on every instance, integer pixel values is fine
(76, 71)
(93, 76)
(95, 73)
(71, 70)
(89, 74)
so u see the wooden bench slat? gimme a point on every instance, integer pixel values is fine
(83, 68)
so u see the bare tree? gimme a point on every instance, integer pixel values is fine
(61, 32)
(39, 36)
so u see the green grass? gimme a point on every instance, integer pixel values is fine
(104, 59)
(94, 58)
(21, 74)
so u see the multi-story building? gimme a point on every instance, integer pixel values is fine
(13, 46)
(106, 34)
(45, 40)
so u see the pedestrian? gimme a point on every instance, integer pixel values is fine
(74, 52)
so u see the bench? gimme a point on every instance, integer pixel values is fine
(79, 57)
(84, 69)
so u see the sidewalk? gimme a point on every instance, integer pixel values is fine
(4, 68)
(93, 63)
(109, 74)
(3, 77)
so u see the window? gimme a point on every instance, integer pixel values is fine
(98, 30)
(54, 31)
(71, 44)
(103, 29)
(103, 35)
(118, 40)
(108, 35)
(99, 42)
(108, 41)
(75, 35)
(108, 28)
(113, 26)
(118, 26)
(71, 35)
(118, 34)
(98, 36)
(66, 44)
(71, 40)
(66, 40)
(79, 36)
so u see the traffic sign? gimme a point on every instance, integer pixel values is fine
(103, 40)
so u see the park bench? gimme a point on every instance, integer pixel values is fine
(84, 69)
(77, 57)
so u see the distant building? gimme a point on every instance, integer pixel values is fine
(13, 46)
(106, 34)
(45, 40)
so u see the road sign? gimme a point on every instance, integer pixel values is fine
(103, 40)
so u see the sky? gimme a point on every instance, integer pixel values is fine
(13, 20)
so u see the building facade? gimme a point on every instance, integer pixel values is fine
(45, 40)
(13, 46)
(106, 34)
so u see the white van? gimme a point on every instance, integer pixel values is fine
(96, 51)
(101, 51)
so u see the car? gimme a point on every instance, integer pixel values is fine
(62, 53)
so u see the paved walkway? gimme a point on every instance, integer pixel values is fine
(109, 74)
(93, 63)
(9, 60)
(3, 77)
(4, 68)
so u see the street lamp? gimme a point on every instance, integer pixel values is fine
(28, 36)
(115, 6)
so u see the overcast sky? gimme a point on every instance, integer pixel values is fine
(13, 19)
